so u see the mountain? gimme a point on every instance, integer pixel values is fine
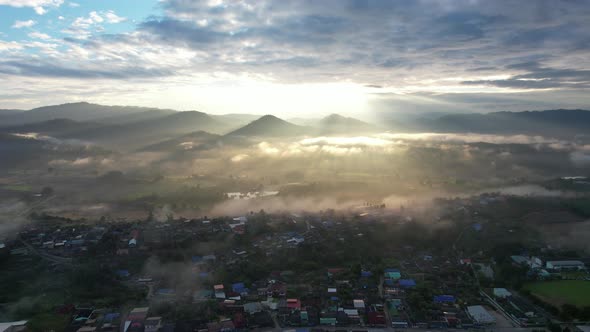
(236, 120)
(4, 112)
(74, 111)
(56, 127)
(556, 123)
(136, 117)
(193, 141)
(338, 124)
(34, 151)
(269, 126)
(142, 133)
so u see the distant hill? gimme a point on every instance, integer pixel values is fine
(558, 123)
(193, 141)
(74, 111)
(9, 112)
(56, 127)
(136, 117)
(338, 124)
(269, 126)
(21, 151)
(143, 133)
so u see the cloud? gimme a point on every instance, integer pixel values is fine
(9, 46)
(38, 5)
(427, 52)
(23, 24)
(39, 35)
(537, 76)
(114, 18)
(239, 157)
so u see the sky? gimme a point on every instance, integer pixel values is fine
(297, 58)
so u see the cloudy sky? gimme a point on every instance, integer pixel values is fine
(297, 58)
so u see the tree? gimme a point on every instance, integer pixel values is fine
(47, 191)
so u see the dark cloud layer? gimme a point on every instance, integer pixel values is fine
(422, 46)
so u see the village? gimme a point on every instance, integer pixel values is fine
(367, 270)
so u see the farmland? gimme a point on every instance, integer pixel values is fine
(575, 292)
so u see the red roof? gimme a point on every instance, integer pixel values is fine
(293, 304)
(376, 318)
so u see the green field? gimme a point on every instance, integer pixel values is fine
(17, 187)
(576, 292)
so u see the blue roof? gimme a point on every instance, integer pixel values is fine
(238, 287)
(366, 273)
(123, 273)
(196, 259)
(392, 270)
(477, 227)
(444, 299)
(407, 283)
(203, 274)
(112, 316)
(334, 298)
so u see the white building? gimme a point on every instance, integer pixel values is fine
(565, 265)
(502, 293)
(480, 315)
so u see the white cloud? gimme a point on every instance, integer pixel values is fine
(95, 17)
(23, 24)
(40, 10)
(38, 5)
(9, 46)
(61, 18)
(39, 35)
(114, 18)
(73, 4)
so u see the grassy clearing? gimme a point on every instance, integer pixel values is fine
(17, 187)
(575, 292)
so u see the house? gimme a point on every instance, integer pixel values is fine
(565, 265)
(209, 257)
(252, 307)
(294, 304)
(219, 291)
(352, 315)
(480, 315)
(331, 321)
(394, 274)
(407, 283)
(153, 324)
(376, 316)
(519, 260)
(13, 326)
(123, 273)
(296, 240)
(501, 293)
(135, 320)
(465, 261)
(532, 261)
(444, 299)
(276, 289)
(202, 295)
(239, 320)
(358, 304)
